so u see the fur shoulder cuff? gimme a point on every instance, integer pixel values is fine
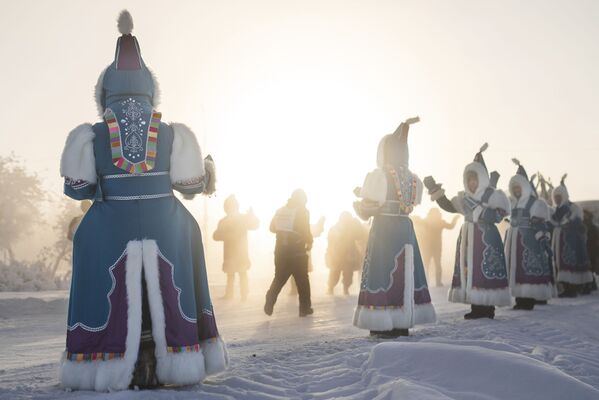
(540, 210)
(499, 200)
(78, 161)
(576, 211)
(375, 187)
(186, 157)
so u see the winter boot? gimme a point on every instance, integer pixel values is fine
(393, 333)
(144, 375)
(569, 291)
(304, 312)
(269, 306)
(524, 303)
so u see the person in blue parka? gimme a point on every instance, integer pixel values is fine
(139, 311)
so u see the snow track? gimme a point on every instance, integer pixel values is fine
(324, 357)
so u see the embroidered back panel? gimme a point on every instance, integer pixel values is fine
(133, 136)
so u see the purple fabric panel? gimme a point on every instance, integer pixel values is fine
(479, 280)
(207, 325)
(422, 296)
(112, 338)
(394, 296)
(179, 331)
(521, 276)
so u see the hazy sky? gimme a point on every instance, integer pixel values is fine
(298, 93)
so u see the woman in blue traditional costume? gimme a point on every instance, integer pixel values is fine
(139, 311)
(394, 294)
(569, 244)
(528, 244)
(480, 275)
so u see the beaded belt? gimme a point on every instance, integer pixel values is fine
(144, 186)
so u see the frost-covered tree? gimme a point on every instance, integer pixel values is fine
(20, 200)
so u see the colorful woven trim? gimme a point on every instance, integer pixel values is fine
(405, 206)
(117, 147)
(183, 349)
(83, 357)
(379, 307)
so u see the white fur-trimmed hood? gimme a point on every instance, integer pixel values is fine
(483, 179)
(78, 160)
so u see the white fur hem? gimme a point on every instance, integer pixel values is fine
(382, 319)
(575, 278)
(176, 368)
(386, 319)
(216, 357)
(424, 314)
(77, 160)
(115, 374)
(489, 297)
(456, 295)
(537, 292)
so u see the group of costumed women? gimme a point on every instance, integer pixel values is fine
(140, 313)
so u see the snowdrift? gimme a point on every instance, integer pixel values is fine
(29, 277)
(439, 371)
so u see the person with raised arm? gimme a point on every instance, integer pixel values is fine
(394, 294)
(480, 275)
(528, 244)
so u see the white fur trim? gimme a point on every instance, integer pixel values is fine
(576, 211)
(179, 368)
(576, 278)
(176, 368)
(458, 294)
(563, 191)
(424, 314)
(375, 187)
(116, 374)
(186, 156)
(78, 160)
(537, 292)
(489, 297)
(499, 200)
(380, 152)
(540, 210)
(483, 179)
(524, 185)
(216, 356)
(397, 318)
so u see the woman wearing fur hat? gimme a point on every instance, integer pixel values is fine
(569, 244)
(527, 244)
(394, 294)
(480, 274)
(139, 309)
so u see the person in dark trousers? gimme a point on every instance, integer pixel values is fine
(291, 224)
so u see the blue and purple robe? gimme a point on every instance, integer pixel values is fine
(527, 250)
(137, 229)
(570, 254)
(393, 292)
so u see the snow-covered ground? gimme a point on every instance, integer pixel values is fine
(550, 353)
